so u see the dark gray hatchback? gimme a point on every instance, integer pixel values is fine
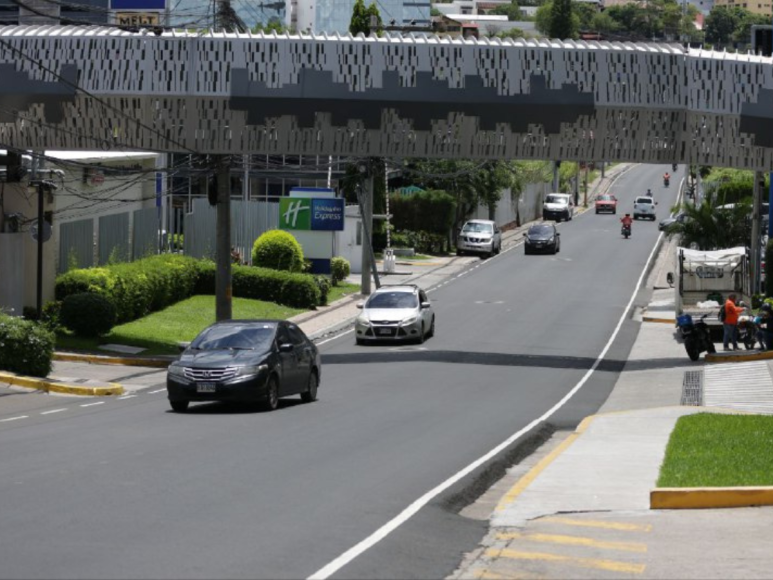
(245, 361)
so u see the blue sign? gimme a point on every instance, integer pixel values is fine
(327, 214)
(137, 4)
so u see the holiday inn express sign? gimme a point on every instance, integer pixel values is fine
(311, 214)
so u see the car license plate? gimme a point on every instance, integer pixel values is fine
(385, 331)
(205, 387)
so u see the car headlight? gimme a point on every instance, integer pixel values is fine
(251, 370)
(363, 320)
(551, 240)
(176, 370)
(410, 319)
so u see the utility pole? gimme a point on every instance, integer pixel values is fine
(223, 237)
(759, 184)
(365, 199)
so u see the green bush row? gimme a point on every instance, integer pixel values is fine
(26, 348)
(137, 288)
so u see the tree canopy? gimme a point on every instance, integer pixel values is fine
(361, 18)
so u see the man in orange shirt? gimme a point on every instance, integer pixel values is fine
(730, 323)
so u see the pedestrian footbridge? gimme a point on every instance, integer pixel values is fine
(101, 88)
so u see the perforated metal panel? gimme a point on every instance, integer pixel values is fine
(419, 97)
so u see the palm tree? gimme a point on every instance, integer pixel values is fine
(709, 226)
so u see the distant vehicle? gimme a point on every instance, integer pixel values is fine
(245, 361)
(400, 312)
(665, 222)
(606, 203)
(644, 207)
(558, 206)
(543, 237)
(479, 237)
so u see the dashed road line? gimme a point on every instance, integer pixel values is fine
(575, 541)
(125, 397)
(14, 418)
(156, 391)
(593, 563)
(93, 404)
(619, 526)
(52, 411)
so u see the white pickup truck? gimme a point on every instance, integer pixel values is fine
(644, 207)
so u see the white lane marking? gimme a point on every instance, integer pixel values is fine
(335, 337)
(52, 411)
(381, 533)
(125, 397)
(14, 418)
(93, 404)
(157, 391)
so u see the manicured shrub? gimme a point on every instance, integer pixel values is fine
(26, 348)
(339, 269)
(138, 288)
(278, 250)
(287, 288)
(88, 314)
(324, 285)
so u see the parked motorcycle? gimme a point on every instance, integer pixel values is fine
(626, 231)
(696, 336)
(747, 331)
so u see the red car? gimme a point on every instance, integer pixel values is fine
(606, 203)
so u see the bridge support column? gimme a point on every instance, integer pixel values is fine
(759, 184)
(223, 239)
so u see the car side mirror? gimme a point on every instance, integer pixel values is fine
(524, 234)
(360, 305)
(425, 304)
(558, 234)
(286, 347)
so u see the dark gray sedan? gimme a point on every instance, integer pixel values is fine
(544, 238)
(245, 361)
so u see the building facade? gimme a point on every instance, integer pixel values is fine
(334, 16)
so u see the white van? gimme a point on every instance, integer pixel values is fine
(558, 206)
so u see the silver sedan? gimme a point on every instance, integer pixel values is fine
(395, 313)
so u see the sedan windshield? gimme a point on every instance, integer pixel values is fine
(237, 337)
(393, 300)
(477, 228)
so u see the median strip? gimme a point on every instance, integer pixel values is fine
(58, 387)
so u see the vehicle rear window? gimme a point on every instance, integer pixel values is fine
(643, 200)
(393, 300)
(555, 199)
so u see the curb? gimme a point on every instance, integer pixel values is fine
(725, 358)
(666, 498)
(659, 320)
(532, 474)
(57, 387)
(112, 360)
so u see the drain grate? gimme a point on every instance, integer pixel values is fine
(692, 388)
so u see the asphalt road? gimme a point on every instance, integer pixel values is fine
(127, 489)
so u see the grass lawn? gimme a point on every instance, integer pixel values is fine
(714, 450)
(343, 289)
(160, 332)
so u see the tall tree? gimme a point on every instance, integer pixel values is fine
(361, 18)
(563, 23)
(721, 23)
(708, 227)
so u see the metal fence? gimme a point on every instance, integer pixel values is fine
(76, 245)
(113, 238)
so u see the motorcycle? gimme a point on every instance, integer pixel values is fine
(748, 331)
(696, 336)
(666, 181)
(626, 231)
(674, 167)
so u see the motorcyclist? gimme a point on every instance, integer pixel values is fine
(765, 324)
(674, 167)
(649, 192)
(627, 220)
(666, 177)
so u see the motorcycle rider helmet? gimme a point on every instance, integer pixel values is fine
(766, 307)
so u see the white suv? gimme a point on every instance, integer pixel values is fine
(479, 237)
(644, 207)
(558, 206)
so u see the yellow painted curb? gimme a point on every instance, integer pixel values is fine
(670, 498)
(721, 357)
(112, 360)
(663, 320)
(56, 387)
(532, 474)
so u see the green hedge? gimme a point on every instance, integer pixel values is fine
(431, 211)
(286, 288)
(25, 347)
(137, 288)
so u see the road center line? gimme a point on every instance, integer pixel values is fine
(14, 418)
(381, 533)
(52, 411)
(93, 404)
(156, 391)
(126, 397)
